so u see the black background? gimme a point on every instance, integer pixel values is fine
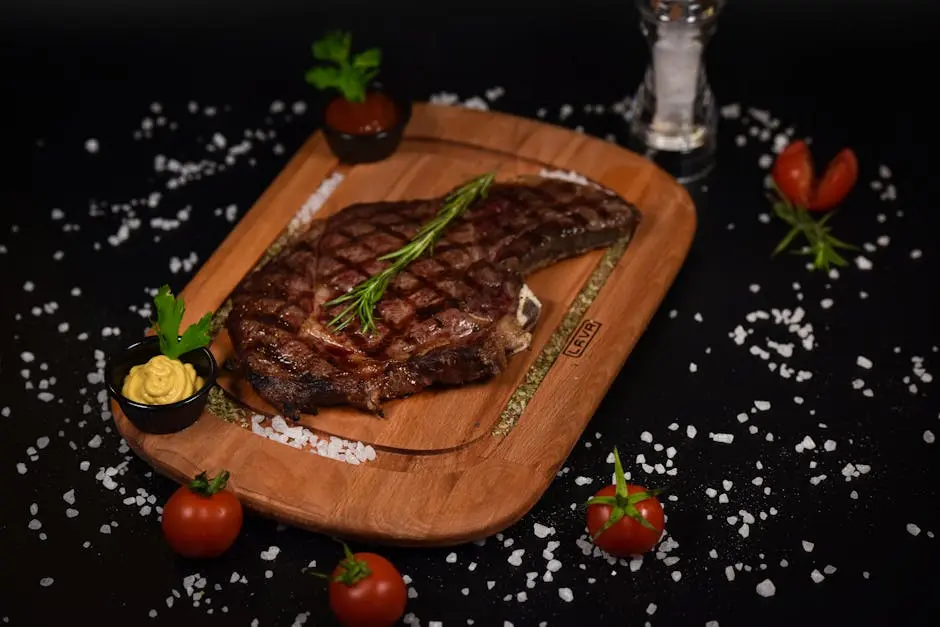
(848, 73)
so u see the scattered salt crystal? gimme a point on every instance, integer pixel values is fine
(516, 558)
(929, 436)
(91, 145)
(690, 431)
(916, 253)
(766, 588)
(565, 594)
(863, 263)
(651, 609)
(583, 480)
(829, 569)
(863, 362)
(45, 582)
(451, 558)
(913, 529)
(816, 576)
(723, 438)
(542, 531)
(270, 553)
(808, 546)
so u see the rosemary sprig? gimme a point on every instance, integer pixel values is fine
(822, 245)
(364, 297)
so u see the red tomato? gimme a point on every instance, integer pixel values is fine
(627, 536)
(366, 590)
(839, 178)
(794, 175)
(202, 519)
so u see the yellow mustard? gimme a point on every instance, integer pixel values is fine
(161, 381)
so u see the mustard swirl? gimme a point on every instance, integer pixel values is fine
(161, 381)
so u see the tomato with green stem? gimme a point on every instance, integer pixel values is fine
(366, 590)
(625, 519)
(794, 174)
(202, 519)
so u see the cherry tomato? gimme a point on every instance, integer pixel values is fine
(627, 536)
(366, 590)
(839, 178)
(202, 519)
(636, 513)
(794, 175)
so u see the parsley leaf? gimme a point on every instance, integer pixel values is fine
(333, 47)
(348, 76)
(169, 316)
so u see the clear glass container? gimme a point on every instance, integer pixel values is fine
(674, 118)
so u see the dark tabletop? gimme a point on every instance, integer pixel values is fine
(857, 510)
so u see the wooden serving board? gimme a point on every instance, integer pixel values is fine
(454, 464)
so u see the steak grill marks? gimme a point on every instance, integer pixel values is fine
(448, 318)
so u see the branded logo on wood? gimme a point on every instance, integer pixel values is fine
(582, 338)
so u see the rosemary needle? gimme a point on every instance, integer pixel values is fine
(365, 296)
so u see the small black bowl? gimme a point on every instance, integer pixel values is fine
(352, 149)
(160, 418)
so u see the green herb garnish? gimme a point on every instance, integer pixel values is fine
(822, 245)
(349, 76)
(364, 297)
(169, 316)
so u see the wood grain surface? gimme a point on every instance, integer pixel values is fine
(441, 475)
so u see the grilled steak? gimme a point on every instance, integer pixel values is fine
(450, 318)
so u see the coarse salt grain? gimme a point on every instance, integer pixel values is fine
(913, 529)
(565, 594)
(542, 531)
(766, 588)
(863, 362)
(863, 263)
